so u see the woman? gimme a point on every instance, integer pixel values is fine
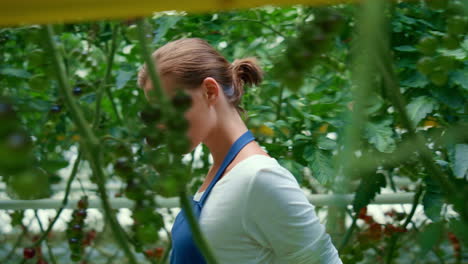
(250, 208)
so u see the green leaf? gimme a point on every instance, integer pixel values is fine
(320, 164)
(30, 184)
(89, 98)
(53, 165)
(430, 236)
(452, 97)
(417, 80)
(312, 117)
(380, 135)
(294, 167)
(15, 72)
(326, 143)
(458, 54)
(373, 104)
(147, 234)
(299, 137)
(432, 200)
(324, 85)
(408, 20)
(459, 228)
(464, 44)
(34, 104)
(405, 48)
(165, 23)
(368, 188)
(460, 77)
(459, 156)
(122, 78)
(420, 107)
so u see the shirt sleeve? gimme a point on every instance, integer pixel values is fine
(279, 216)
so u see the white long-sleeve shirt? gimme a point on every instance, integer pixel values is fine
(257, 214)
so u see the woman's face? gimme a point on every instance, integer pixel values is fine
(199, 116)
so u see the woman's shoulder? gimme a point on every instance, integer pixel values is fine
(264, 171)
(260, 173)
(260, 164)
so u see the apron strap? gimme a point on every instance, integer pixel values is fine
(243, 140)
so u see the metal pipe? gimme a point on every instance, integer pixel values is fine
(315, 199)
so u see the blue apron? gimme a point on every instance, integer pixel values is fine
(184, 249)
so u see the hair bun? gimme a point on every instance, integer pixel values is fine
(246, 72)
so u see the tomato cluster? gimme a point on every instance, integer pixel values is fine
(398, 216)
(155, 253)
(433, 63)
(166, 140)
(455, 244)
(376, 231)
(34, 252)
(301, 51)
(17, 164)
(159, 123)
(146, 225)
(29, 253)
(15, 143)
(75, 233)
(371, 233)
(147, 221)
(77, 90)
(159, 169)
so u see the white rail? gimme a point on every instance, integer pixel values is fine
(315, 199)
(115, 186)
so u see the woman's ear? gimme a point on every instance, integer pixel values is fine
(211, 90)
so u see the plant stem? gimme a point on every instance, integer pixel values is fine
(348, 233)
(369, 28)
(168, 248)
(278, 107)
(280, 102)
(162, 100)
(438, 254)
(64, 201)
(395, 237)
(109, 137)
(49, 249)
(195, 228)
(425, 154)
(17, 242)
(114, 105)
(118, 232)
(83, 127)
(115, 33)
(96, 242)
(111, 258)
(150, 64)
(90, 144)
(103, 86)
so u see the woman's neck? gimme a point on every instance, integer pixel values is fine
(223, 135)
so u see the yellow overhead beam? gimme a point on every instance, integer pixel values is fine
(21, 12)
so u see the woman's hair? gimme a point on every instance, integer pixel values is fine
(189, 61)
